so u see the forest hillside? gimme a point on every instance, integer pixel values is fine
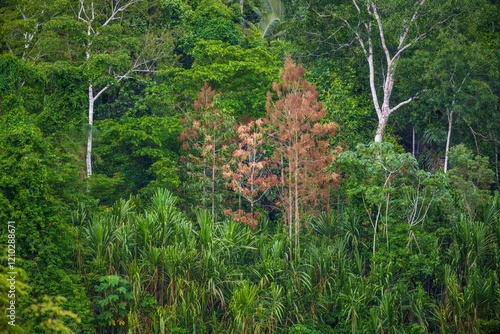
(251, 166)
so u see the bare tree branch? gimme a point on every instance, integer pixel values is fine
(117, 8)
(381, 32)
(414, 97)
(403, 36)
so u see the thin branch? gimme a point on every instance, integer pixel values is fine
(414, 97)
(382, 35)
(356, 5)
(400, 50)
(117, 9)
(403, 36)
(463, 81)
(105, 88)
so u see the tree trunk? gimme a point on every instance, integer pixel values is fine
(382, 122)
(297, 215)
(413, 141)
(375, 229)
(213, 181)
(496, 161)
(391, 61)
(88, 159)
(290, 214)
(448, 138)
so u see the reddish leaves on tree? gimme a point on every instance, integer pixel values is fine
(301, 144)
(249, 172)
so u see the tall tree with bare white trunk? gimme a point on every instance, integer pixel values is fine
(384, 30)
(108, 60)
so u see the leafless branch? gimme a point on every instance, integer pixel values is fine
(382, 34)
(356, 5)
(116, 8)
(403, 36)
(105, 88)
(414, 97)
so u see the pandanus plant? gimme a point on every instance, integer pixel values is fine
(470, 279)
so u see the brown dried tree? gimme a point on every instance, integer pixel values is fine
(249, 172)
(302, 150)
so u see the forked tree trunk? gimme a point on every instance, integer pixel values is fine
(86, 14)
(365, 40)
(92, 99)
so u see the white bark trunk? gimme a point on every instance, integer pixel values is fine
(86, 13)
(448, 139)
(88, 159)
(384, 111)
(382, 122)
(92, 99)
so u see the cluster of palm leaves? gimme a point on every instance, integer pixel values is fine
(470, 278)
(184, 276)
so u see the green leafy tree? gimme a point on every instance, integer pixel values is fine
(213, 20)
(136, 155)
(377, 174)
(470, 178)
(51, 313)
(455, 67)
(340, 90)
(110, 60)
(26, 29)
(38, 185)
(241, 75)
(113, 301)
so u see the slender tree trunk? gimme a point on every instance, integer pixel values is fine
(253, 160)
(448, 139)
(213, 182)
(296, 194)
(92, 98)
(297, 214)
(88, 159)
(413, 141)
(386, 225)
(375, 229)
(87, 14)
(290, 214)
(496, 161)
(251, 209)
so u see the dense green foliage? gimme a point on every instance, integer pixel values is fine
(229, 191)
